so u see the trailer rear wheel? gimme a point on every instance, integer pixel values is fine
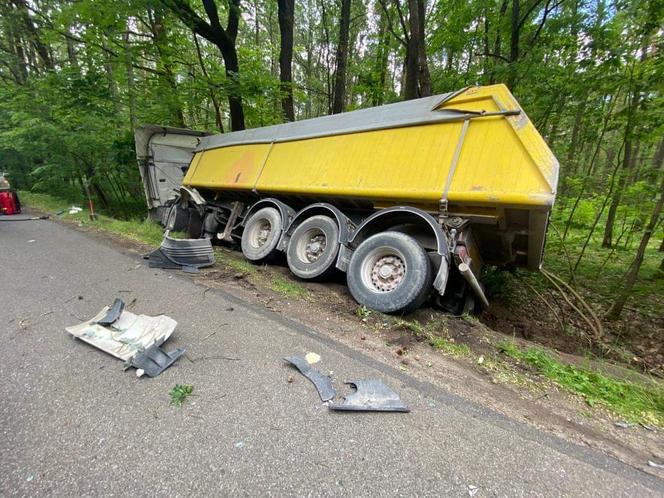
(261, 234)
(313, 247)
(390, 272)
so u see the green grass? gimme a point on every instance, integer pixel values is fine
(288, 288)
(140, 230)
(441, 343)
(637, 402)
(436, 333)
(235, 263)
(180, 393)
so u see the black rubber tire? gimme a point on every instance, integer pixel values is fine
(325, 264)
(417, 281)
(251, 249)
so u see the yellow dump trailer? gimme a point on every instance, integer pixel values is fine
(401, 197)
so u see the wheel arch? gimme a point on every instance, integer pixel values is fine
(285, 211)
(344, 224)
(395, 217)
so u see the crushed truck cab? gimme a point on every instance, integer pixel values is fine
(403, 197)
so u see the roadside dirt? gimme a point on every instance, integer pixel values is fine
(481, 374)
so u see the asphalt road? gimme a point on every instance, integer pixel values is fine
(73, 423)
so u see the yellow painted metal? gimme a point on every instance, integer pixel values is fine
(503, 161)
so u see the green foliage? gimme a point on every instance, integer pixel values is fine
(180, 393)
(637, 402)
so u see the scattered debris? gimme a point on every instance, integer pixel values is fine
(323, 383)
(472, 490)
(180, 392)
(154, 360)
(113, 313)
(312, 358)
(136, 339)
(371, 395)
(239, 445)
(30, 478)
(188, 255)
(622, 425)
(650, 428)
(655, 464)
(75, 210)
(31, 241)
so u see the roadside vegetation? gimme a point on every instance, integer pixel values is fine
(636, 402)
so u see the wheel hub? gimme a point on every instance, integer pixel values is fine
(263, 233)
(387, 273)
(315, 247)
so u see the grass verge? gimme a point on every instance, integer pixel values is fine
(635, 402)
(139, 230)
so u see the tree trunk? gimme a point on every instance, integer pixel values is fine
(615, 200)
(633, 272)
(286, 14)
(130, 81)
(339, 99)
(515, 33)
(424, 78)
(164, 65)
(411, 69)
(382, 59)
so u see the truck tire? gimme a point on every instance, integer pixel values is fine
(313, 248)
(391, 273)
(261, 235)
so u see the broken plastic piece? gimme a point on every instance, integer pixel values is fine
(128, 336)
(184, 254)
(155, 360)
(371, 396)
(323, 383)
(113, 313)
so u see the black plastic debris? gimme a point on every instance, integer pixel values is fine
(155, 360)
(113, 313)
(322, 382)
(371, 396)
(182, 254)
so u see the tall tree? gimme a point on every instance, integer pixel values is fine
(339, 99)
(286, 16)
(633, 272)
(224, 39)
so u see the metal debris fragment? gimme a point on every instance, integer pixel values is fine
(155, 360)
(323, 383)
(371, 396)
(113, 313)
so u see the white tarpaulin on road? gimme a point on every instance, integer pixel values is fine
(129, 335)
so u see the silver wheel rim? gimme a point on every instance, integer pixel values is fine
(311, 245)
(259, 233)
(383, 269)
